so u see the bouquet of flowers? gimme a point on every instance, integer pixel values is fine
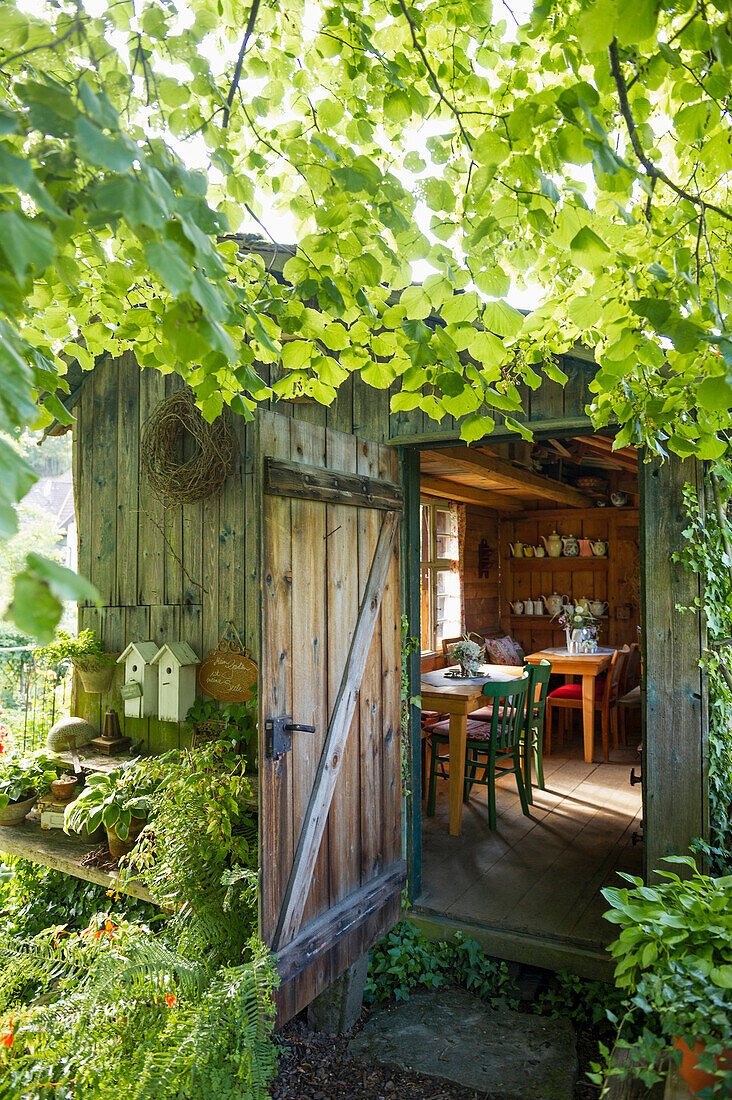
(580, 630)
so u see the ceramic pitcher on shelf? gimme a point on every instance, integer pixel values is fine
(585, 548)
(599, 548)
(517, 549)
(539, 606)
(554, 603)
(570, 546)
(529, 607)
(553, 544)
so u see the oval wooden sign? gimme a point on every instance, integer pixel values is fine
(228, 676)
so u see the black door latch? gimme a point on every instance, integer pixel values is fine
(278, 734)
(635, 778)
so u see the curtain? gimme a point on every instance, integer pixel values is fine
(457, 541)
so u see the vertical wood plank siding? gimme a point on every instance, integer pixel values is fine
(675, 738)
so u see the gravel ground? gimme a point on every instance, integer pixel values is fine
(318, 1067)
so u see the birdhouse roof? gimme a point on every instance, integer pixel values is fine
(145, 651)
(181, 652)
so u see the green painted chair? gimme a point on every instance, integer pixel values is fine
(533, 733)
(493, 746)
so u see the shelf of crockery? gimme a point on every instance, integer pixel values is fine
(546, 620)
(554, 565)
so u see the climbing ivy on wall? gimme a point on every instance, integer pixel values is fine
(708, 536)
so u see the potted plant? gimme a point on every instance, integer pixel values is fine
(234, 722)
(468, 655)
(88, 656)
(22, 780)
(674, 956)
(110, 799)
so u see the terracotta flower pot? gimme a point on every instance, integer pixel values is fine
(117, 846)
(64, 789)
(16, 812)
(697, 1079)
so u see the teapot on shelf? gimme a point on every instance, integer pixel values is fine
(599, 548)
(598, 607)
(528, 550)
(539, 551)
(582, 605)
(553, 544)
(517, 549)
(570, 546)
(517, 607)
(555, 603)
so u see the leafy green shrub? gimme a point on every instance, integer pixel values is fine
(84, 649)
(405, 959)
(33, 898)
(590, 1004)
(674, 959)
(124, 1016)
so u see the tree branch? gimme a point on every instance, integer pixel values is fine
(253, 12)
(433, 77)
(652, 170)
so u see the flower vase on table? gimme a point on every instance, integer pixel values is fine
(579, 630)
(573, 639)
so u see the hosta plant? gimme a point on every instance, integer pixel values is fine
(108, 799)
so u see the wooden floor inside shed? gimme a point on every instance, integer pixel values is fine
(534, 883)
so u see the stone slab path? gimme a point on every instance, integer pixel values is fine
(449, 1033)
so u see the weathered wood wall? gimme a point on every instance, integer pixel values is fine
(675, 744)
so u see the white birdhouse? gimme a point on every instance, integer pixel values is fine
(140, 691)
(176, 664)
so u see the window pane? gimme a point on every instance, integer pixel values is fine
(447, 546)
(426, 623)
(447, 616)
(424, 532)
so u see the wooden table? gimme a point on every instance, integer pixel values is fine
(458, 700)
(587, 665)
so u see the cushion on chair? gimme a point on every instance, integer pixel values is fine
(476, 730)
(503, 651)
(574, 691)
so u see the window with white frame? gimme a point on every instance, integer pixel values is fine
(439, 578)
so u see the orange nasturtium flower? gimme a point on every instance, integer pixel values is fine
(170, 999)
(6, 1037)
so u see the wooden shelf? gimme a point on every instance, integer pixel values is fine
(53, 848)
(546, 620)
(554, 565)
(552, 514)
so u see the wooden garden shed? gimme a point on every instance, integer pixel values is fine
(312, 551)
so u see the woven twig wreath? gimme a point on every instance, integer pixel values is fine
(184, 457)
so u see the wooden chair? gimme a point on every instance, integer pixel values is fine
(629, 690)
(448, 643)
(569, 697)
(537, 691)
(495, 746)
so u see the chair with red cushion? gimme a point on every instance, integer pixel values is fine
(626, 693)
(569, 697)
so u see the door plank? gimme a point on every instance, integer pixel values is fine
(310, 634)
(334, 486)
(391, 679)
(338, 730)
(369, 701)
(276, 675)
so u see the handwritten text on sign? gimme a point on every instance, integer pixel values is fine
(228, 677)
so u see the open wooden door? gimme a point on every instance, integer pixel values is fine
(330, 654)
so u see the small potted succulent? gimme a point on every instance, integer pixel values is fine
(22, 781)
(674, 957)
(110, 799)
(468, 655)
(87, 654)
